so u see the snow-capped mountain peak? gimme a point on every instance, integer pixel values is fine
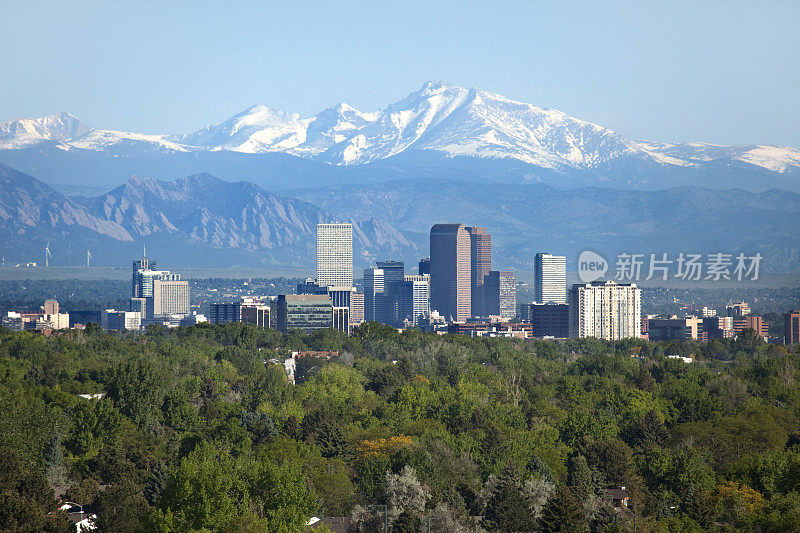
(27, 131)
(440, 119)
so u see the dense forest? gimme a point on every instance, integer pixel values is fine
(198, 431)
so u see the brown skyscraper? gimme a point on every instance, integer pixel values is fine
(792, 333)
(480, 265)
(450, 271)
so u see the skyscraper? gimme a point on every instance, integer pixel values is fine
(480, 265)
(393, 272)
(414, 301)
(373, 294)
(605, 310)
(500, 293)
(335, 255)
(169, 298)
(140, 264)
(450, 271)
(791, 327)
(424, 266)
(550, 278)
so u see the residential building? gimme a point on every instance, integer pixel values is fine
(605, 310)
(308, 312)
(550, 278)
(500, 294)
(669, 328)
(335, 255)
(480, 265)
(549, 320)
(451, 271)
(791, 327)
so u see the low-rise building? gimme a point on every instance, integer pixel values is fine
(309, 312)
(670, 328)
(550, 320)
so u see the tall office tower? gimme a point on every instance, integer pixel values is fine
(792, 327)
(393, 272)
(500, 292)
(605, 310)
(424, 266)
(550, 278)
(140, 264)
(51, 307)
(169, 298)
(414, 298)
(373, 294)
(143, 281)
(450, 271)
(335, 255)
(480, 244)
(356, 307)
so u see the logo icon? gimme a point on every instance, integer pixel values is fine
(591, 266)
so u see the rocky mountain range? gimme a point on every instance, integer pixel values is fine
(195, 220)
(201, 220)
(439, 131)
(249, 190)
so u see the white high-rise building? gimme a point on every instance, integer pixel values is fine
(373, 294)
(169, 298)
(414, 298)
(605, 310)
(550, 281)
(335, 255)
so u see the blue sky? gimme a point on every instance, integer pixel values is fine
(715, 71)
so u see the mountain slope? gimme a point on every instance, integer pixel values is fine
(472, 131)
(195, 219)
(525, 219)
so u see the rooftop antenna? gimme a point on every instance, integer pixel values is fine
(88, 256)
(47, 254)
